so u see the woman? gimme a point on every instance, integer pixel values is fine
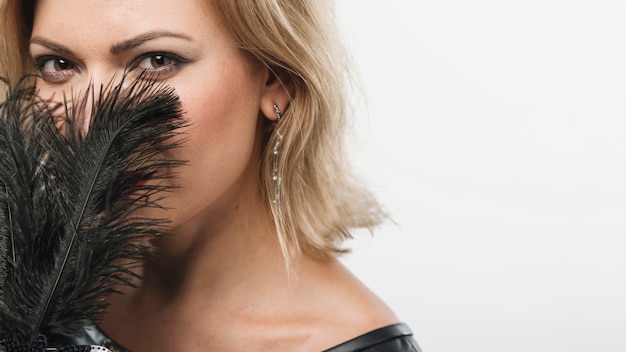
(265, 202)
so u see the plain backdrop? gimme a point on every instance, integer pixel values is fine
(494, 132)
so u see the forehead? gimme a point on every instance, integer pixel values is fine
(116, 19)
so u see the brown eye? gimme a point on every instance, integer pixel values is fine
(55, 69)
(61, 64)
(161, 63)
(155, 62)
(54, 64)
(160, 60)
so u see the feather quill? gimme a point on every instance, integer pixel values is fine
(69, 200)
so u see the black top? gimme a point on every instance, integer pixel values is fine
(392, 338)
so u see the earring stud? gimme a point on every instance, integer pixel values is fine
(278, 113)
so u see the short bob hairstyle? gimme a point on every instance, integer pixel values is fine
(298, 42)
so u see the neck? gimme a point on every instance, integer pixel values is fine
(214, 255)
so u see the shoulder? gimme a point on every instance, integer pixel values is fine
(324, 305)
(343, 306)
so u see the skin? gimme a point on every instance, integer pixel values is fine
(220, 281)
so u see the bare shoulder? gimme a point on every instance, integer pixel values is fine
(345, 306)
(324, 306)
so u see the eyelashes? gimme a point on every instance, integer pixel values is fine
(57, 69)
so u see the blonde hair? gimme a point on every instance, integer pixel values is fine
(298, 42)
(16, 22)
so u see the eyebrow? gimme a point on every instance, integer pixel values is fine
(142, 38)
(51, 45)
(115, 49)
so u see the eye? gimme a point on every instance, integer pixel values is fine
(159, 63)
(155, 62)
(55, 69)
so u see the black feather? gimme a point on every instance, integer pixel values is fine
(69, 226)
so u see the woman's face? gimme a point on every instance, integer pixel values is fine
(77, 42)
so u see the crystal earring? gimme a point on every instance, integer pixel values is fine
(276, 179)
(279, 115)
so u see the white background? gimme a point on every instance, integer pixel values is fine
(495, 134)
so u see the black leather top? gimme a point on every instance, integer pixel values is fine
(392, 338)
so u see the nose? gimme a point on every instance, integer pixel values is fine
(102, 78)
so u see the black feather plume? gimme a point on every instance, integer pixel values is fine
(70, 232)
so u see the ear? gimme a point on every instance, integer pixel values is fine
(275, 92)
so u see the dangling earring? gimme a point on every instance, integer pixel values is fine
(276, 179)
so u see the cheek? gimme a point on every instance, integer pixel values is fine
(223, 110)
(221, 146)
(223, 126)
